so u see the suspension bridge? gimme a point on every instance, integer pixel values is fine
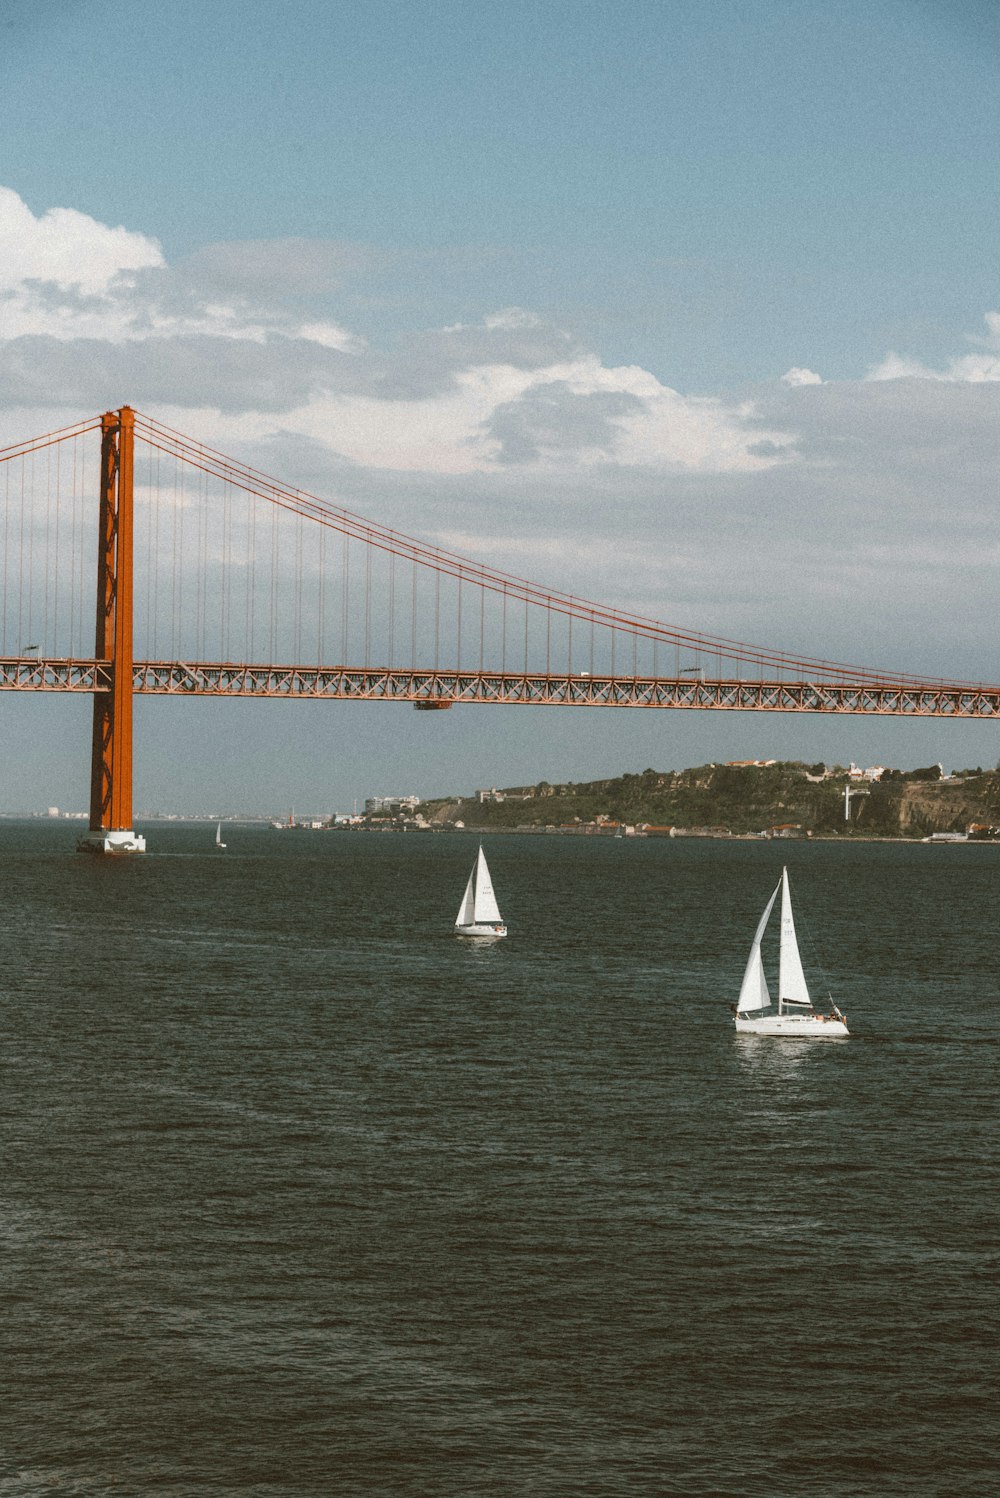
(214, 579)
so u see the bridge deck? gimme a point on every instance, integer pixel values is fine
(441, 688)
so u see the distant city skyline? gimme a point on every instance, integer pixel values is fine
(270, 811)
(689, 309)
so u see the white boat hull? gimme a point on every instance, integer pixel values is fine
(481, 929)
(794, 1026)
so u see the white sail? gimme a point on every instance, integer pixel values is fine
(753, 992)
(792, 987)
(466, 911)
(486, 908)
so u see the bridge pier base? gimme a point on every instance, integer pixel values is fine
(112, 843)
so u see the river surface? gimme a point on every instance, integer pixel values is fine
(301, 1195)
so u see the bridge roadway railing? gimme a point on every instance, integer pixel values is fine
(436, 689)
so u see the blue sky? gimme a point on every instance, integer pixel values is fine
(723, 187)
(410, 233)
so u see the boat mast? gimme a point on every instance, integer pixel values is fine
(784, 898)
(784, 909)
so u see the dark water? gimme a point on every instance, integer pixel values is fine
(301, 1195)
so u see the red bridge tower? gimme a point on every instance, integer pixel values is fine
(111, 754)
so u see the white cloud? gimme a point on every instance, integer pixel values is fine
(328, 335)
(490, 414)
(66, 247)
(512, 317)
(798, 376)
(968, 369)
(58, 272)
(66, 276)
(507, 390)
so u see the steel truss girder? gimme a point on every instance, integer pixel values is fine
(370, 684)
(28, 674)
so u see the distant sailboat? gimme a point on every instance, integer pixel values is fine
(479, 913)
(795, 1015)
(218, 837)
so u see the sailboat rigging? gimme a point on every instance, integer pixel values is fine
(795, 1016)
(479, 913)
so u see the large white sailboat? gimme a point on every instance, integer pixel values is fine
(479, 913)
(794, 1016)
(218, 837)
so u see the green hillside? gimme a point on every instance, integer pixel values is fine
(741, 799)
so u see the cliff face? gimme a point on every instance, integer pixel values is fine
(741, 799)
(918, 808)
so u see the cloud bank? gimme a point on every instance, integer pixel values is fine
(979, 367)
(853, 519)
(246, 330)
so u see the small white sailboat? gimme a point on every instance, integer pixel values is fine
(795, 1016)
(218, 837)
(479, 913)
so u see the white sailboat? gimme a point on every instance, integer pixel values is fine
(218, 837)
(795, 1016)
(479, 913)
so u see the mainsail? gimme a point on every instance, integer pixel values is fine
(479, 903)
(792, 987)
(754, 992)
(486, 907)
